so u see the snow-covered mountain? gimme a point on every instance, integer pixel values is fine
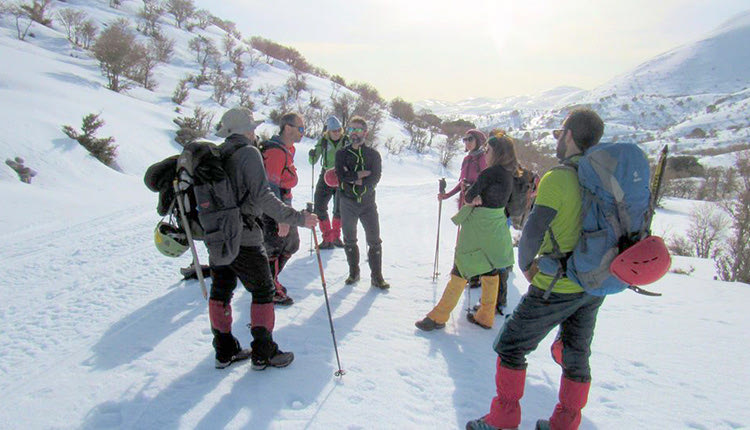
(694, 97)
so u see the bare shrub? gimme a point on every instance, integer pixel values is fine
(21, 16)
(706, 228)
(733, 259)
(118, 53)
(103, 149)
(71, 19)
(679, 245)
(37, 11)
(182, 10)
(181, 92)
(222, 86)
(449, 149)
(193, 128)
(150, 13)
(206, 55)
(86, 33)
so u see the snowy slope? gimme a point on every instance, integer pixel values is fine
(99, 332)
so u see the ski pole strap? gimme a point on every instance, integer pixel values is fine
(644, 292)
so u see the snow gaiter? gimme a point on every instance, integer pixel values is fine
(220, 315)
(262, 315)
(573, 396)
(352, 257)
(325, 229)
(505, 410)
(375, 260)
(262, 345)
(335, 229)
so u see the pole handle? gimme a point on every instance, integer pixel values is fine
(441, 185)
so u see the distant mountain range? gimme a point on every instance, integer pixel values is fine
(695, 97)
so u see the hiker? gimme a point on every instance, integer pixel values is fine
(332, 140)
(358, 168)
(471, 166)
(484, 244)
(557, 208)
(24, 173)
(525, 184)
(281, 239)
(245, 170)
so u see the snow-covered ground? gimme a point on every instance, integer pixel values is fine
(99, 331)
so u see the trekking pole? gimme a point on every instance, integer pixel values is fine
(340, 372)
(312, 196)
(186, 225)
(435, 273)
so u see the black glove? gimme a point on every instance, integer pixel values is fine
(312, 153)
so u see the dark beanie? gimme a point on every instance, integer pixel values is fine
(479, 137)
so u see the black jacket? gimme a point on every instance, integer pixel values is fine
(494, 185)
(349, 161)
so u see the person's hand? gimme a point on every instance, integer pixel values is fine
(531, 272)
(442, 196)
(312, 153)
(476, 202)
(311, 220)
(363, 173)
(283, 229)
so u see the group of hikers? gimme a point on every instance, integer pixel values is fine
(350, 172)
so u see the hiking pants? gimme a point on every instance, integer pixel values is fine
(365, 211)
(323, 194)
(251, 267)
(535, 317)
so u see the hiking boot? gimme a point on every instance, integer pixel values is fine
(353, 277)
(481, 424)
(542, 425)
(279, 359)
(325, 245)
(242, 354)
(379, 282)
(338, 243)
(280, 298)
(427, 324)
(470, 317)
(475, 282)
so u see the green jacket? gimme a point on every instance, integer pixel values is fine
(327, 149)
(484, 243)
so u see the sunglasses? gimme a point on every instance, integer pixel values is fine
(468, 139)
(355, 130)
(301, 130)
(557, 133)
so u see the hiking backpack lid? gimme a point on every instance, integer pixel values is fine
(614, 181)
(209, 199)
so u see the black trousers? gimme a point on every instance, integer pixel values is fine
(323, 195)
(251, 268)
(366, 212)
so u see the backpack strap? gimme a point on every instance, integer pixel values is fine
(249, 223)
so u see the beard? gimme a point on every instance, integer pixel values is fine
(560, 150)
(356, 139)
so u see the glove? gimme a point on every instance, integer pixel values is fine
(312, 153)
(442, 196)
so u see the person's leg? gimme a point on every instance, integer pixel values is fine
(349, 218)
(371, 225)
(576, 334)
(227, 348)
(321, 198)
(252, 269)
(336, 221)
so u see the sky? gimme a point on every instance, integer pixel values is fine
(454, 50)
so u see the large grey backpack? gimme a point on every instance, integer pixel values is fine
(210, 202)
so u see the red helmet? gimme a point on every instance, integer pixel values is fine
(332, 180)
(643, 263)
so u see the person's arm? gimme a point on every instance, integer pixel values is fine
(376, 170)
(532, 235)
(341, 169)
(254, 178)
(316, 152)
(476, 189)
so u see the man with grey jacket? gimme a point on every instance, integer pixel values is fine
(244, 166)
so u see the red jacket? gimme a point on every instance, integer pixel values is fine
(278, 160)
(471, 167)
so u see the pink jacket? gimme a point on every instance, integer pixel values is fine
(472, 165)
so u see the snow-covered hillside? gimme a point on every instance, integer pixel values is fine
(694, 97)
(100, 332)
